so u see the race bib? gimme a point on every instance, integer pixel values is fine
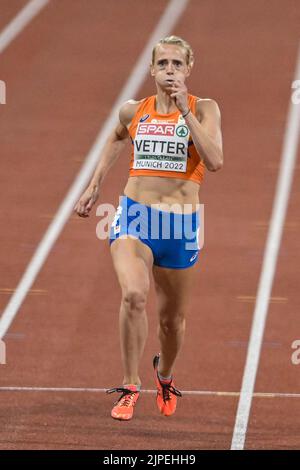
(161, 146)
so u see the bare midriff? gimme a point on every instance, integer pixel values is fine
(167, 194)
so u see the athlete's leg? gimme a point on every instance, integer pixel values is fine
(173, 288)
(132, 261)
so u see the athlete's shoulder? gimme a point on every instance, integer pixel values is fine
(129, 109)
(207, 106)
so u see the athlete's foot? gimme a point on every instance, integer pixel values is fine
(123, 408)
(167, 394)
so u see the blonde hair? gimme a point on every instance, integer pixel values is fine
(176, 41)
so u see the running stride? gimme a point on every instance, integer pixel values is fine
(174, 136)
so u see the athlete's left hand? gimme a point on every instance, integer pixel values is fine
(180, 96)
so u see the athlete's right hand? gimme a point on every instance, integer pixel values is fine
(86, 201)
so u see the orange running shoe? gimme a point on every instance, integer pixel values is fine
(167, 394)
(123, 409)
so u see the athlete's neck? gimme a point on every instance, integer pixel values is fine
(164, 104)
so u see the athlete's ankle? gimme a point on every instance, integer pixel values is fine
(136, 383)
(165, 378)
(164, 374)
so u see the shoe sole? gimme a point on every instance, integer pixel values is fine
(121, 419)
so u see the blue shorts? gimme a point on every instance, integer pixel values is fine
(173, 238)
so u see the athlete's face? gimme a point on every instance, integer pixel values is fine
(169, 65)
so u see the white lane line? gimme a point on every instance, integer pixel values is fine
(284, 184)
(184, 392)
(167, 21)
(20, 22)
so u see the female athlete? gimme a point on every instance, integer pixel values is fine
(174, 136)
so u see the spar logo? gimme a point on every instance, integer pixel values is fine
(182, 131)
(156, 129)
(2, 92)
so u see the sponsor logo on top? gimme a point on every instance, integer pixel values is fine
(156, 129)
(182, 131)
(144, 118)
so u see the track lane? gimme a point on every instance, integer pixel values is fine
(9, 9)
(275, 425)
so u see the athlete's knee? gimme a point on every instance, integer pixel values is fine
(172, 323)
(134, 299)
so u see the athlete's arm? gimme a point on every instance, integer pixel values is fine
(109, 155)
(205, 127)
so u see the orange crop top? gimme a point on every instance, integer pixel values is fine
(162, 145)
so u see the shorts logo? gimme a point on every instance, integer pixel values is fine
(182, 131)
(145, 117)
(193, 257)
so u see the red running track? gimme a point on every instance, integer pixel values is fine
(63, 74)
